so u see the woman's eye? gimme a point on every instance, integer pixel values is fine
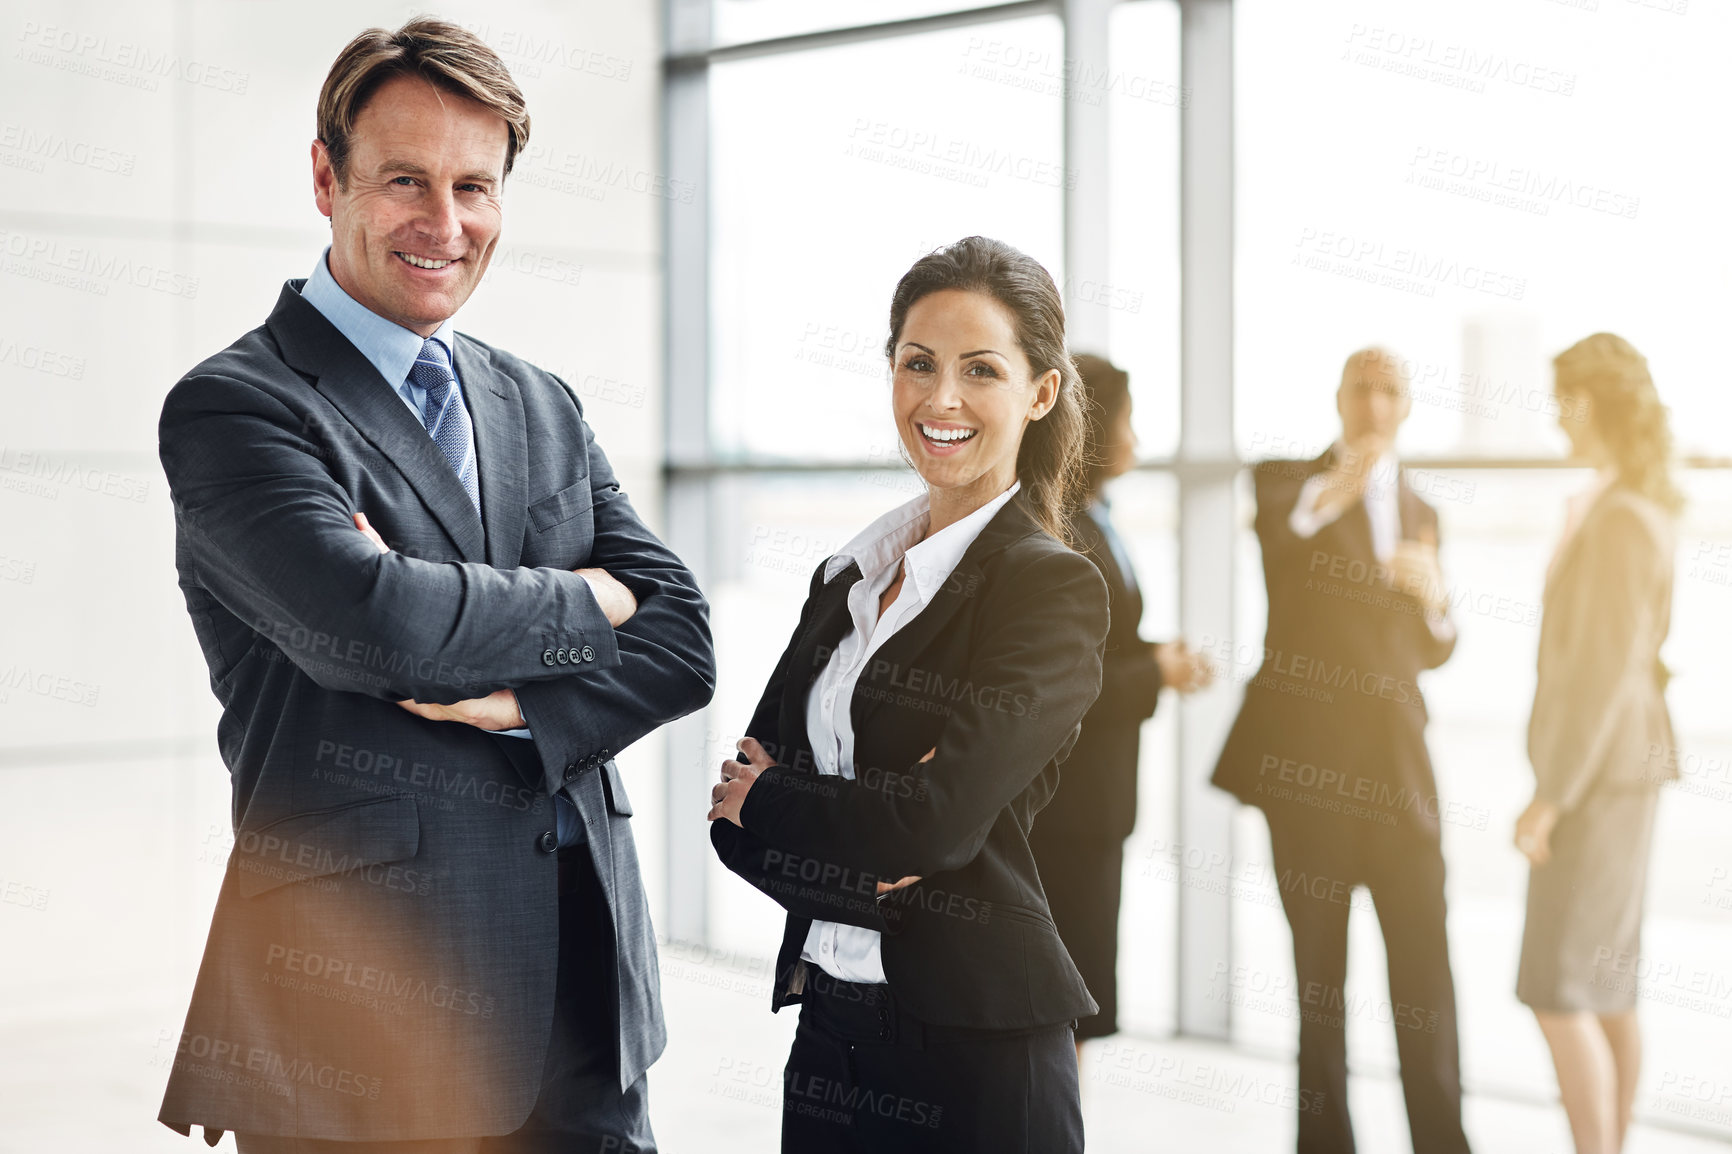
(982, 370)
(917, 365)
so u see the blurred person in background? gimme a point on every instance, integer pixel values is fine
(910, 733)
(1600, 737)
(1330, 744)
(1078, 840)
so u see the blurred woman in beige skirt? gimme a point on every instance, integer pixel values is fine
(1600, 738)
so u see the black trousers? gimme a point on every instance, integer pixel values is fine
(580, 1109)
(1318, 861)
(866, 1077)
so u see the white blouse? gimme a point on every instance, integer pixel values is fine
(843, 951)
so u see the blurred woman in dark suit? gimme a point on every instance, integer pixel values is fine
(1600, 738)
(911, 731)
(1078, 840)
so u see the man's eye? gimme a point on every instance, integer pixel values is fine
(405, 181)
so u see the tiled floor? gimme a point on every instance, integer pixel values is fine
(89, 1084)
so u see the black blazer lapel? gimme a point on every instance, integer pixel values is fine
(501, 451)
(1011, 523)
(312, 345)
(830, 623)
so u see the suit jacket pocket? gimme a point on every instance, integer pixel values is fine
(326, 841)
(562, 506)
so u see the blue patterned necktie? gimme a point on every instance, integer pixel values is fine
(446, 418)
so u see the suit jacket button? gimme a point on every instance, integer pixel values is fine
(571, 771)
(547, 842)
(588, 653)
(559, 656)
(547, 657)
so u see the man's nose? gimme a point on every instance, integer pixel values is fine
(439, 219)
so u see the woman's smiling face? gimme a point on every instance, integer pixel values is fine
(963, 391)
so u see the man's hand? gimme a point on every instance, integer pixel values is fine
(728, 795)
(1183, 668)
(1344, 483)
(1414, 570)
(370, 533)
(498, 710)
(615, 599)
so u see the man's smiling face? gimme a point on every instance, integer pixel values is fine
(417, 218)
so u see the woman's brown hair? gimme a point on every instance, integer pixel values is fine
(1606, 371)
(1051, 461)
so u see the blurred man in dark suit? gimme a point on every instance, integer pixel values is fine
(1330, 744)
(432, 618)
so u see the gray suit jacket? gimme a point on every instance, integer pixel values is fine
(1599, 717)
(383, 956)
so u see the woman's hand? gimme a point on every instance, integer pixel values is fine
(728, 795)
(892, 887)
(1533, 831)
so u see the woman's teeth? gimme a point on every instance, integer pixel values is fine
(946, 436)
(423, 262)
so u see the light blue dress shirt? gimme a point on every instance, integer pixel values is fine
(392, 349)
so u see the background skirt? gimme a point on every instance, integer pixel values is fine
(1082, 881)
(1584, 918)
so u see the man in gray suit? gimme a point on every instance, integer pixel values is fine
(432, 618)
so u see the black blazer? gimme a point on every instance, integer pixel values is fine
(1099, 799)
(995, 673)
(1334, 721)
(384, 953)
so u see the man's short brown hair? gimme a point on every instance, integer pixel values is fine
(444, 54)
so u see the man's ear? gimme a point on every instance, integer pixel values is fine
(324, 178)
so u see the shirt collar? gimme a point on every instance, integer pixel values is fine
(898, 533)
(388, 346)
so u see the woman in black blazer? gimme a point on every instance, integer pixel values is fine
(910, 733)
(1079, 840)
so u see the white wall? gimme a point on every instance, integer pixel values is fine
(154, 195)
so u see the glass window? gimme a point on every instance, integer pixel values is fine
(1143, 95)
(1477, 186)
(743, 21)
(833, 171)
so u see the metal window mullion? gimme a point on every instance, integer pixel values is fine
(1207, 512)
(686, 390)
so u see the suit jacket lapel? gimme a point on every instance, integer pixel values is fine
(312, 345)
(501, 451)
